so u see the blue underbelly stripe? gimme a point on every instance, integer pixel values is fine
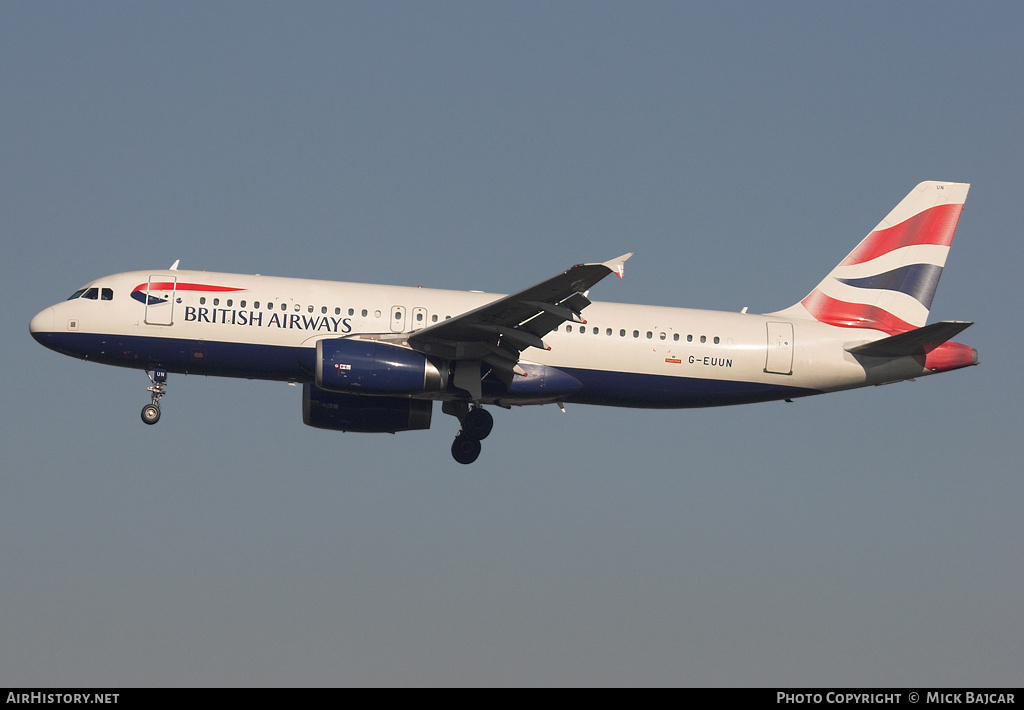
(278, 362)
(629, 389)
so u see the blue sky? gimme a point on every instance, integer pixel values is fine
(864, 538)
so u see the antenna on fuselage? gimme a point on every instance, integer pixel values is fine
(174, 266)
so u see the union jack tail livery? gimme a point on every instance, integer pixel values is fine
(888, 281)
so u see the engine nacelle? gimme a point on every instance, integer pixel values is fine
(373, 368)
(350, 412)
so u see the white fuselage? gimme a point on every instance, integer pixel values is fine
(264, 327)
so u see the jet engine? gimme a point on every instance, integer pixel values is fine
(374, 368)
(351, 412)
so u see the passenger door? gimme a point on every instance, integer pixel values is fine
(780, 349)
(160, 296)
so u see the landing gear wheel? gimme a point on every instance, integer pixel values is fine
(465, 450)
(157, 389)
(477, 424)
(151, 414)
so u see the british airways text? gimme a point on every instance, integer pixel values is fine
(229, 316)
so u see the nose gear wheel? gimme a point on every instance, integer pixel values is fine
(157, 389)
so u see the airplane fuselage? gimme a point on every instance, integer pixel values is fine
(373, 358)
(262, 327)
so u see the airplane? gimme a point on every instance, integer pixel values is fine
(374, 358)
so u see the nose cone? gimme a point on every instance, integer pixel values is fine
(41, 324)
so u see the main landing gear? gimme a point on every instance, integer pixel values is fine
(476, 426)
(158, 388)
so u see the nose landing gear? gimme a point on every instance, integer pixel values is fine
(476, 426)
(157, 389)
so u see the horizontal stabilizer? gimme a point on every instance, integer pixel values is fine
(912, 342)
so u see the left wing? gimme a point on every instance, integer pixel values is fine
(498, 332)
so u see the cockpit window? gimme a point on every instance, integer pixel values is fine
(104, 294)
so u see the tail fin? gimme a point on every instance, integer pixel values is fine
(887, 283)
